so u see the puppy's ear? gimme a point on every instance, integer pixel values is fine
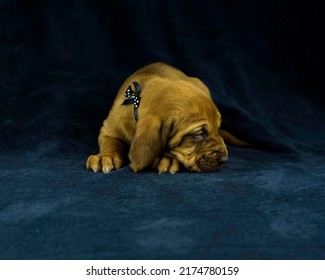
(148, 142)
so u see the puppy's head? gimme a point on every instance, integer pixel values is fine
(184, 123)
(196, 141)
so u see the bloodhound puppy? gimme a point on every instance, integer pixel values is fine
(163, 119)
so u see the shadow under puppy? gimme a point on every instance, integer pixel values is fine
(163, 119)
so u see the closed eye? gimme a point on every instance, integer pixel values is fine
(197, 137)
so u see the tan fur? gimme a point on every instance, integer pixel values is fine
(178, 125)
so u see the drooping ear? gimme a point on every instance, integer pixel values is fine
(148, 142)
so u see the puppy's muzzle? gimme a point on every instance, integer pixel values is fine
(211, 162)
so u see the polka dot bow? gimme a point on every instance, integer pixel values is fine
(133, 98)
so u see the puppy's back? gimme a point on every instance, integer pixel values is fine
(165, 72)
(162, 70)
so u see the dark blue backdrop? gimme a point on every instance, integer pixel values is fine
(61, 64)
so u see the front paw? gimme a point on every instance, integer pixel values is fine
(104, 162)
(166, 164)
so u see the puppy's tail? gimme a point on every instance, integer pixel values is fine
(232, 140)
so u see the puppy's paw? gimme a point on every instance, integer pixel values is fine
(104, 162)
(166, 164)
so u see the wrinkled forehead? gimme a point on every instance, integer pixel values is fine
(210, 115)
(194, 112)
(192, 125)
(181, 130)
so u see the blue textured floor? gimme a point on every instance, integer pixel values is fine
(259, 206)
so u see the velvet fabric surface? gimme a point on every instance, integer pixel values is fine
(61, 64)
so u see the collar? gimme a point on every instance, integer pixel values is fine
(133, 97)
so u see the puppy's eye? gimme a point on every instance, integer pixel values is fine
(197, 136)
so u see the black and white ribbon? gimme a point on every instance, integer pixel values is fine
(133, 97)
